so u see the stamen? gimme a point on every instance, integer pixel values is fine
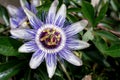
(50, 38)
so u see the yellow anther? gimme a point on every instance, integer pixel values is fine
(25, 23)
(51, 43)
(48, 30)
(58, 36)
(53, 32)
(44, 38)
(50, 37)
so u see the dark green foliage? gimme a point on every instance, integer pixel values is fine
(4, 15)
(9, 46)
(88, 9)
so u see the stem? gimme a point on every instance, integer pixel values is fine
(64, 70)
(106, 29)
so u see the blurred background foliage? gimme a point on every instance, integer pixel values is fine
(101, 61)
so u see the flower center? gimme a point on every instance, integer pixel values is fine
(50, 38)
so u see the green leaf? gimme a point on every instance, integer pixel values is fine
(88, 12)
(28, 75)
(74, 10)
(115, 5)
(88, 35)
(113, 51)
(9, 69)
(96, 56)
(100, 44)
(67, 2)
(102, 13)
(2, 28)
(4, 15)
(41, 72)
(107, 35)
(43, 7)
(76, 3)
(72, 18)
(9, 46)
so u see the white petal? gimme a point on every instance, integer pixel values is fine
(12, 10)
(52, 11)
(51, 64)
(34, 21)
(21, 33)
(12, 24)
(36, 59)
(28, 47)
(76, 28)
(53, 7)
(28, 13)
(35, 2)
(77, 44)
(70, 57)
(61, 14)
(61, 11)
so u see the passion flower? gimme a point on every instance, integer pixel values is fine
(51, 39)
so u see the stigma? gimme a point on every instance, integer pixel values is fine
(50, 38)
